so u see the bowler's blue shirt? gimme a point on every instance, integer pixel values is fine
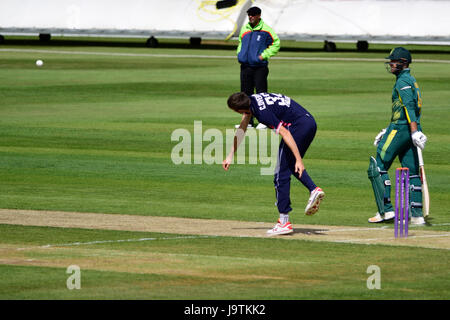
(275, 110)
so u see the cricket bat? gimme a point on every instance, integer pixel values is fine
(423, 178)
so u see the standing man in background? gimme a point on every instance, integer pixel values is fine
(257, 43)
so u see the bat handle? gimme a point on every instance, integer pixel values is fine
(419, 153)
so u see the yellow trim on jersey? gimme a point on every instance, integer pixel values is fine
(407, 115)
(404, 107)
(419, 98)
(387, 143)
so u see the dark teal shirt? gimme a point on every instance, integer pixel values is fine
(406, 99)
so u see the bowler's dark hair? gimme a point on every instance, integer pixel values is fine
(239, 101)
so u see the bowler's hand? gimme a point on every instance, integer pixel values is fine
(226, 163)
(261, 57)
(299, 167)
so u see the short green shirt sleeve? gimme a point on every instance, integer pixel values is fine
(407, 95)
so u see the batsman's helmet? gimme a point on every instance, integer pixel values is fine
(400, 53)
(402, 59)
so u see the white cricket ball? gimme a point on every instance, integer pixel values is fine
(39, 63)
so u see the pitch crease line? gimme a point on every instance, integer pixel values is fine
(409, 237)
(122, 240)
(353, 229)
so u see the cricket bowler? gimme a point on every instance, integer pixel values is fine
(297, 128)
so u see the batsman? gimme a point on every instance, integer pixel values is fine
(402, 137)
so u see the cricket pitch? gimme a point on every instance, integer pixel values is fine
(379, 234)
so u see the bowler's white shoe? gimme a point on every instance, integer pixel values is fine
(316, 196)
(417, 220)
(379, 218)
(261, 126)
(280, 229)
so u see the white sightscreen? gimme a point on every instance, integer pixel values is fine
(412, 20)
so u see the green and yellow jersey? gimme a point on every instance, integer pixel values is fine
(406, 99)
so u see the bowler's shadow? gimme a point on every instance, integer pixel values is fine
(306, 231)
(311, 231)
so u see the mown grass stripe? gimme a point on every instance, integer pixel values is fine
(200, 56)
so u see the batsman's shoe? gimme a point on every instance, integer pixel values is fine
(417, 220)
(390, 215)
(281, 229)
(261, 126)
(316, 196)
(379, 218)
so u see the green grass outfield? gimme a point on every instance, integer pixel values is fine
(90, 131)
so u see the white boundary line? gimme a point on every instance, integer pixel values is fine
(196, 56)
(120, 54)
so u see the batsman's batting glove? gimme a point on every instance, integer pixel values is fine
(379, 137)
(419, 139)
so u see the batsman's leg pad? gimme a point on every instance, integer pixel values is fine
(377, 184)
(415, 189)
(387, 191)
